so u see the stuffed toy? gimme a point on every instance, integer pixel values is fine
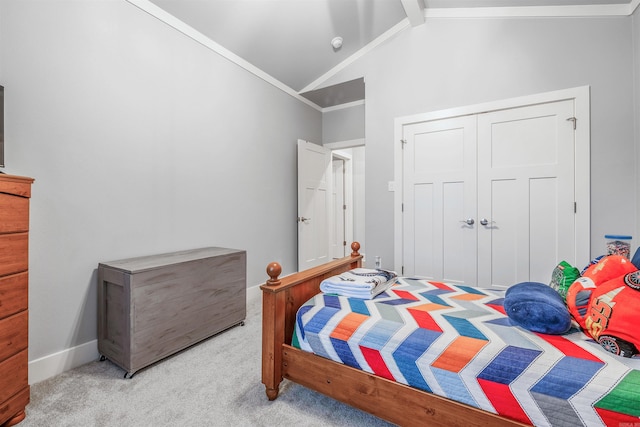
(605, 301)
(562, 277)
(609, 267)
(537, 307)
(593, 261)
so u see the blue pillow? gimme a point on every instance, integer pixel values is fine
(537, 307)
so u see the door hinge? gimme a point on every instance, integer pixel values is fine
(575, 207)
(402, 207)
(344, 207)
(344, 243)
(574, 120)
(402, 269)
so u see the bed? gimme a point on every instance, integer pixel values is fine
(597, 388)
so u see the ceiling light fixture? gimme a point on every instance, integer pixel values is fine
(336, 43)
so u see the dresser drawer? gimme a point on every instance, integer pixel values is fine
(13, 335)
(14, 405)
(14, 256)
(14, 213)
(14, 375)
(14, 294)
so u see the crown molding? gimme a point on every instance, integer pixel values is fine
(534, 11)
(160, 14)
(343, 106)
(483, 12)
(474, 12)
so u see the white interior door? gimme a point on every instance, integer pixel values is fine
(526, 175)
(439, 185)
(314, 204)
(338, 238)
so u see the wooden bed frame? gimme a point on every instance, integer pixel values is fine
(389, 400)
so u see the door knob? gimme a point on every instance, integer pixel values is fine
(303, 219)
(485, 221)
(469, 221)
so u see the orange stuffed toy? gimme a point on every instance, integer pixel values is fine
(605, 302)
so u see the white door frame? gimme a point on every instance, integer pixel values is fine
(581, 97)
(353, 217)
(348, 196)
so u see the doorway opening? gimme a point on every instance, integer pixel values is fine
(348, 164)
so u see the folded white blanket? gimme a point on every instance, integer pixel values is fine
(363, 283)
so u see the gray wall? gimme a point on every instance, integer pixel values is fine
(448, 63)
(141, 141)
(343, 124)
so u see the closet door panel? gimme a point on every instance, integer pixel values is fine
(543, 228)
(424, 260)
(530, 222)
(500, 251)
(454, 269)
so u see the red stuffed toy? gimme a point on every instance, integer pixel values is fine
(605, 301)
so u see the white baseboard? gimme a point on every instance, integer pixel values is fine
(57, 363)
(253, 293)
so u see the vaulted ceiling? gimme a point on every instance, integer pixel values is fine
(290, 40)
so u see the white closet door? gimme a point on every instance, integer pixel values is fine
(439, 176)
(525, 193)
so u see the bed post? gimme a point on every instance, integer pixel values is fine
(280, 302)
(272, 334)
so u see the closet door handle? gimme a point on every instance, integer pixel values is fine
(485, 221)
(469, 221)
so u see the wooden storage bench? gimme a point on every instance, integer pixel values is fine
(154, 306)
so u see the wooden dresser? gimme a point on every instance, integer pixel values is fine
(14, 294)
(151, 307)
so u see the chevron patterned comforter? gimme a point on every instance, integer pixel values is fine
(455, 341)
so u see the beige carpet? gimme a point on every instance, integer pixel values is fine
(215, 383)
